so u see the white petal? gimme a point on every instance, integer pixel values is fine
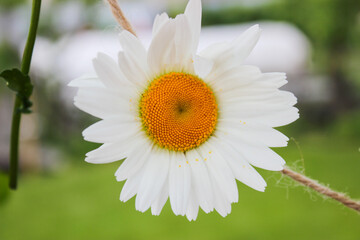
(111, 152)
(193, 206)
(240, 167)
(110, 74)
(262, 157)
(278, 79)
(134, 161)
(112, 129)
(179, 183)
(221, 204)
(159, 203)
(159, 22)
(155, 174)
(106, 153)
(131, 45)
(279, 118)
(86, 81)
(258, 155)
(103, 103)
(222, 180)
(244, 44)
(183, 42)
(193, 13)
(200, 181)
(130, 187)
(260, 101)
(170, 49)
(252, 133)
(132, 71)
(256, 90)
(202, 66)
(273, 116)
(161, 50)
(270, 97)
(133, 59)
(228, 54)
(216, 51)
(219, 171)
(235, 77)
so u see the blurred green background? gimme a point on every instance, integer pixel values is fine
(62, 197)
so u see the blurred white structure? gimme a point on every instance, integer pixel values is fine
(281, 47)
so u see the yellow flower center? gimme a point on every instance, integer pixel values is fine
(178, 111)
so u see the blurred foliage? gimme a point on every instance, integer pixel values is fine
(8, 59)
(11, 3)
(7, 4)
(4, 189)
(8, 56)
(347, 126)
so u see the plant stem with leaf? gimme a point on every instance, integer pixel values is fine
(16, 117)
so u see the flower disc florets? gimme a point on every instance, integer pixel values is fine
(178, 111)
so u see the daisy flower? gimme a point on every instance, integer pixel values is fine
(186, 124)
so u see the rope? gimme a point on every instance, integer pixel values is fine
(322, 189)
(119, 16)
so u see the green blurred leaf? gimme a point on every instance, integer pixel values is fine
(4, 190)
(21, 84)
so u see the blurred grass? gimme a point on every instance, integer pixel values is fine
(81, 202)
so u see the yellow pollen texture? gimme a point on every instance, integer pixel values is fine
(178, 111)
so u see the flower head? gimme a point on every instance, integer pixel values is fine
(187, 123)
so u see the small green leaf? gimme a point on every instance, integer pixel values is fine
(21, 84)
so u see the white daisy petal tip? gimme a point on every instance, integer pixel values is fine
(85, 81)
(244, 44)
(202, 66)
(100, 57)
(191, 218)
(159, 21)
(92, 160)
(193, 14)
(256, 27)
(73, 83)
(125, 34)
(187, 125)
(193, 7)
(155, 212)
(253, 32)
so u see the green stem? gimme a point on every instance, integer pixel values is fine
(14, 144)
(16, 118)
(26, 60)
